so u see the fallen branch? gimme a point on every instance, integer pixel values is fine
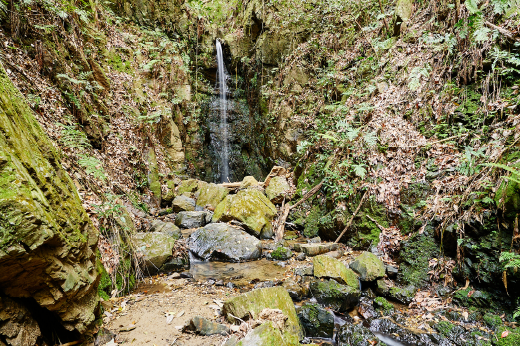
(352, 218)
(286, 209)
(503, 31)
(232, 186)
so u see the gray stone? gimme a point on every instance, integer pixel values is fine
(334, 295)
(203, 326)
(191, 219)
(368, 266)
(304, 271)
(317, 249)
(391, 271)
(316, 321)
(296, 291)
(355, 334)
(277, 189)
(219, 241)
(183, 203)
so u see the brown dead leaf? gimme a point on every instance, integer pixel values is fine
(504, 334)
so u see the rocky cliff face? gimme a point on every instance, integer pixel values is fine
(47, 241)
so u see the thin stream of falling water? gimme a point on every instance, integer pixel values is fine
(221, 77)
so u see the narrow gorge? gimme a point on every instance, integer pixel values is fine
(275, 172)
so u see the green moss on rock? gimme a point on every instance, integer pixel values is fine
(331, 268)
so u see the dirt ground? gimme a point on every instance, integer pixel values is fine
(142, 318)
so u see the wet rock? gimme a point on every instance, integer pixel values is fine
(368, 266)
(175, 264)
(189, 185)
(316, 249)
(391, 271)
(304, 271)
(382, 288)
(316, 321)
(277, 189)
(314, 240)
(156, 249)
(211, 195)
(219, 241)
(248, 182)
(403, 295)
(296, 291)
(183, 203)
(252, 303)
(330, 268)
(251, 208)
(366, 309)
(281, 254)
(334, 295)
(382, 304)
(389, 328)
(355, 334)
(167, 228)
(191, 219)
(203, 326)
(334, 254)
(264, 335)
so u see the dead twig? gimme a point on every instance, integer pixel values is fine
(503, 31)
(352, 218)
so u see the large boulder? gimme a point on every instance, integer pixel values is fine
(251, 208)
(167, 228)
(252, 303)
(330, 268)
(192, 219)
(190, 185)
(219, 241)
(316, 321)
(183, 203)
(47, 242)
(368, 266)
(156, 248)
(264, 335)
(334, 295)
(277, 189)
(211, 195)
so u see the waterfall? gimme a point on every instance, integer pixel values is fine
(222, 86)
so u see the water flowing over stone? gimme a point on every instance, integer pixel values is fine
(222, 86)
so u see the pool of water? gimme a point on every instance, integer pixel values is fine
(239, 274)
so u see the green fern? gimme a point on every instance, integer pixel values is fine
(359, 170)
(352, 134)
(73, 138)
(515, 174)
(370, 139)
(92, 166)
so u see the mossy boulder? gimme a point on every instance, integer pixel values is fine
(277, 189)
(281, 253)
(154, 181)
(330, 268)
(250, 207)
(368, 266)
(156, 249)
(211, 195)
(316, 321)
(264, 335)
(219, 241)
(248, 182)
(47, 242)
(382, 304)
(183, 203)
(189, 185)
(168, 228)
(403, 295)
(252, 303)
(334, 295)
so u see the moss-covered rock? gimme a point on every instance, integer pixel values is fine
(382, 304)
(368, 266)
(156, 249)
(252, 303)
(403, 295)
(43, 225)
(277, 189)
(281, 253)
(154, 182)
(330, 268)
(183, 203)
(211, 195)
(189, 185)
(250, 207)
(355, 334)
(493, 321)
(248, 182)
(168, 228)
(264, 335)
(512, 339)
(334, 295)
(414, 258)
(316, 321)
